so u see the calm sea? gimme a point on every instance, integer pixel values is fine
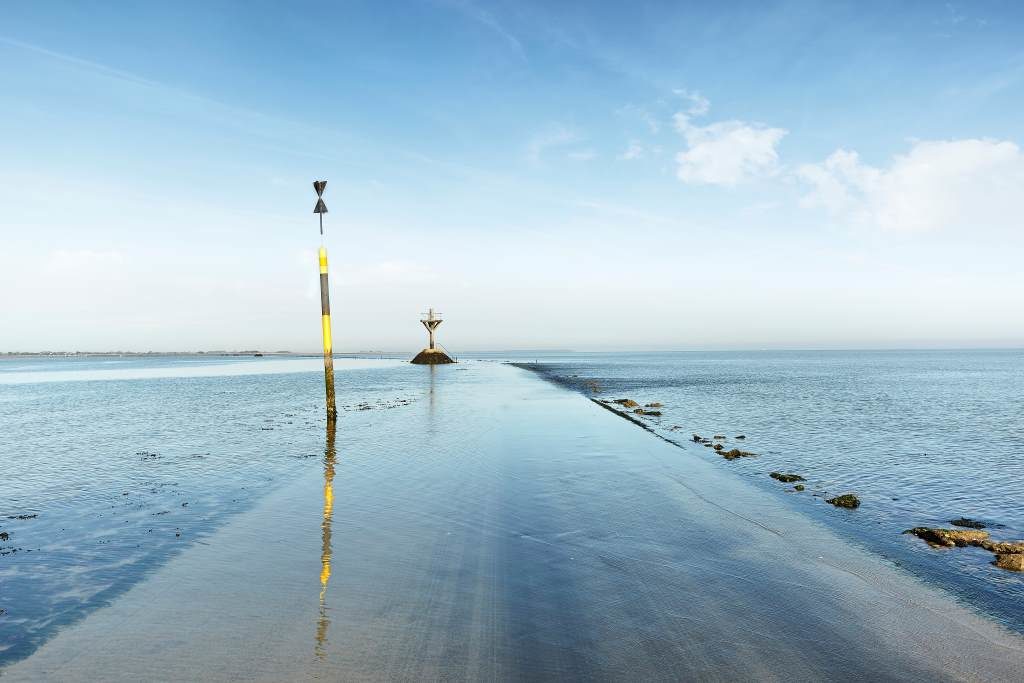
(921, 437)
(110, 466)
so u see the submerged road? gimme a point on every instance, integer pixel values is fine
(502, 528)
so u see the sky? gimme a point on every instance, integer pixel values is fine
(590, 176)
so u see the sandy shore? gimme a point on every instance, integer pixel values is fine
(505, 528)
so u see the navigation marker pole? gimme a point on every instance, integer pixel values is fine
(325, 304)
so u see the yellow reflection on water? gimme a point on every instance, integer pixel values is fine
(330, 454)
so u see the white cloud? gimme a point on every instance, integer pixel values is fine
(936, 185)
(726, 152)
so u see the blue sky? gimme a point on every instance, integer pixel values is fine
(630, 175)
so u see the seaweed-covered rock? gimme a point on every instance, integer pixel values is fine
(739, 436)
(718, 446)
(1012, 561)
(720, 437)
(847, 500)
(786, 478)
(734, 453)
(432, 357)
(1003, 547)
(948, 538)
(798, 487)
(1009, 554)
(968, 523)
(653, 405)
(652, 413)
(627, 402)
(697, 438)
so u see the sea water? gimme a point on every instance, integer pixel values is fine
(110, 466)
(921, 437)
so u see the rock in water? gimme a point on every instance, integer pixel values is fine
(1013, 562)
(847, 500)
(786, 478)
(627, 402)
(431, 357)
(653, 413)
(1003, 547)
(948, 538)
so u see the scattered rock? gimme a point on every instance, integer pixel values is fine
(652, 413)
(627, 402)
(969, 523)
(1014, 562)
(718, 436)
(740, 436)
(734, 453)
(798, 487)
(697, 438)
(22, 516)
(4, 536)
(786, 478)
(718, 446)
(653, 405)
(847, 500)
(948, 538)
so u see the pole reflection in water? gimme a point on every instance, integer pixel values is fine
(325, 528)
(430, 413)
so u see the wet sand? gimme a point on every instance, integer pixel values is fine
(504, 528)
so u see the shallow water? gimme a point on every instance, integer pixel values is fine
(116, 464)
(502, 528)
(922, 437)
(127, 463)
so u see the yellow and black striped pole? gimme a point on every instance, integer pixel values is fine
(325, 304)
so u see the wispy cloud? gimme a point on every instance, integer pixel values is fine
(634, 151)
(642, 114)
(699, 105)
(487, 19)
(582, 155)
(555, 137)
